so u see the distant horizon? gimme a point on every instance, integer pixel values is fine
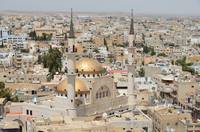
(165, 7)
(15, 12)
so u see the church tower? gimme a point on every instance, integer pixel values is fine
(132, 96)
(71, 71)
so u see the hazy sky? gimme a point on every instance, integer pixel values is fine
(187, 7)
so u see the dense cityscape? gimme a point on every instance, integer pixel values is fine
(99, 72)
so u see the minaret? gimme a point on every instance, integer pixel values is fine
(131, 68)
(71, 71)
(132, 24)
(131, 35)
(71, 37)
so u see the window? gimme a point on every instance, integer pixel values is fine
(107, 93)
(97, 95)
(27, 112)
(31, 112)
(100, 95)
(103, 94)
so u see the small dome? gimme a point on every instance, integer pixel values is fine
(80, 86)
(89, 66)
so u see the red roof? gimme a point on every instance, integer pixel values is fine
(119, 72)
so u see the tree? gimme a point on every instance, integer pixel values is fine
(153, 52)
(105, 43)
(96, 50)
(39, 59)
(2, 44)
(111, 60)
(160, 37)
(33, 35)
(143, 38)
(146, 49)
(162, 54)
(5, 93)
(185, 66)
(125, 44)
(53, 61)
(44, 37)
(141, 72)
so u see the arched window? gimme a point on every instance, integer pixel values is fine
(103, 92)
(100, 95)
(97, 95)
(107, 93)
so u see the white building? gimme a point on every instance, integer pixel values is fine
(195, 39)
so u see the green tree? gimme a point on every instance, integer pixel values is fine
(96, 50)
(39, 59)
(105, 43)
(153, 52)
(162, 54)
(146, 49)
(125, 44)
(6, 93)
(141, 72)
(185, 66)
(2, 44)
(44, 37)
(33, 35)
(53, 61)
(111, 60)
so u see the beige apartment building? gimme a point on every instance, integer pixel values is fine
(166, 118)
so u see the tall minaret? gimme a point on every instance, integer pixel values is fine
(71, 37)
(132, 23)
(131, 68)
(71, 71)
(131, 35)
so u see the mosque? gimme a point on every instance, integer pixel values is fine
(85, 90)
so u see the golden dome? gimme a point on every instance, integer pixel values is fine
(80, 86)
(87, 65)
